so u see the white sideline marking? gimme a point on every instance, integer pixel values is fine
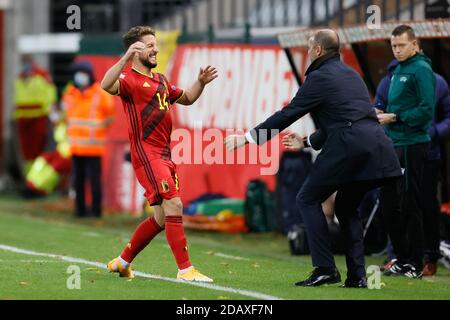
(30, 261)
(91, 234)
(227, 256)
(247, 293)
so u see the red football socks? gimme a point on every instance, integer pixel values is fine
(177, 240)
(141, 237)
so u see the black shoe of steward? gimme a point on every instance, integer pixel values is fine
(412, 272)
(406, 270)
(396, 269)
(320, 276)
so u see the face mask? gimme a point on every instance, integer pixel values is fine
(81, 79)
(26, 68)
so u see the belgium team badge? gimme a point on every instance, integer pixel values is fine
(165, 185)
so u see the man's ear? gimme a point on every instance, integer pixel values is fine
(319, 51)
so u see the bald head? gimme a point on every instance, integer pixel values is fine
(328, 39)
(322, 42)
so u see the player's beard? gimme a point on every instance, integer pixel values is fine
(146, 62)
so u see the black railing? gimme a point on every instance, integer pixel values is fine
(100, 16)
(278, 13)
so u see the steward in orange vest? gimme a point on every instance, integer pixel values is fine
(89, 112)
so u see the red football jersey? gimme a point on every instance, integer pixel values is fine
(147, 101)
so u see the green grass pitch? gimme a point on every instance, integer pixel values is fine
(244, 266)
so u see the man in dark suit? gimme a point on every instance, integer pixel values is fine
(356, 155)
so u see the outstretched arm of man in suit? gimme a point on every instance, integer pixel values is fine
(308, 97)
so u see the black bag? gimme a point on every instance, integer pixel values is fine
(294, 169)
(259, 207)
(298, 241)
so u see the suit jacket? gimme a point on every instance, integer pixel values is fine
(354, 145)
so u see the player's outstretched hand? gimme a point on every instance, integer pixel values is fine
(293, 142)
(207, 75)
(235, 141)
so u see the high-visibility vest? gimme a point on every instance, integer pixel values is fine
(62, 140)
(33, 97)
(89, 113)
(43, 177)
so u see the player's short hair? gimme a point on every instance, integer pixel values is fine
(327, 41)
(401, 29)
(135, 34)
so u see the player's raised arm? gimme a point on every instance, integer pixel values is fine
(205, 76)
(110, 81)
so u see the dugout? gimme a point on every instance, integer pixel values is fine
(369, 52)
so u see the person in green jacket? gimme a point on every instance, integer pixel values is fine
(408, 116)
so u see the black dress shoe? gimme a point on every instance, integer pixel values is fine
(321, 276)
(355, 283)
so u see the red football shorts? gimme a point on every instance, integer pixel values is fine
(159, 180)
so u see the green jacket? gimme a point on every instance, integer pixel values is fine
(412, 98)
